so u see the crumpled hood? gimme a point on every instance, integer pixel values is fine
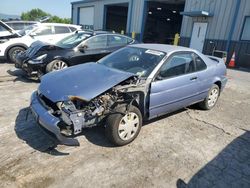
(39, 45)
(86, 81)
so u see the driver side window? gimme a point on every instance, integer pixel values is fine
(45, 30)
(97, 42)
(179, 64)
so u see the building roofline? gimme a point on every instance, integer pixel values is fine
(82, 1)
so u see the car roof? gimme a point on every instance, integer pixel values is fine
(60, 24)
(101, 32)
(163, 47)
(21, 21)
(110, 33)
(95, 33)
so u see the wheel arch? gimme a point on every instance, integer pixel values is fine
(137, 99)
(15, 45)
(61, 58)
(218, 83)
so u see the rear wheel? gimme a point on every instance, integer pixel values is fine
(123, 128)
(211, 99)
(13, 52)
(56, 65)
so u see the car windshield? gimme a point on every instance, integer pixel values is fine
(139, 61)
(73, 40)
(27, 30)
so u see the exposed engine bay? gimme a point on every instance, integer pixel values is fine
(77, 113)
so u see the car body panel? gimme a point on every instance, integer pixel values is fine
(86, 81)
(171, 94)
(48, 121)
(181, 91)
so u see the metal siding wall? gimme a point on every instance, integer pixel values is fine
(98, 10)
(74, 14)
(245, 11)
(187, 22)
(218, 25)
(137, 15)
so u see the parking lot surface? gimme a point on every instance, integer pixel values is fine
(189, 148)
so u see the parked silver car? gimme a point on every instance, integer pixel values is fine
(136, 83)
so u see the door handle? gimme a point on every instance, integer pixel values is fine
(194, 78)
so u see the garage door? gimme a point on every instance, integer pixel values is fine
(86, 17)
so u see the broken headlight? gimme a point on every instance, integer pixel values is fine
(38, 59)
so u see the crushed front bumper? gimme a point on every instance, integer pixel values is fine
(29, 67)
(49, 122)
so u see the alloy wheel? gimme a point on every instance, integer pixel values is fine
(59, 65)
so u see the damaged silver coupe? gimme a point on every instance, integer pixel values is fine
(123, 89)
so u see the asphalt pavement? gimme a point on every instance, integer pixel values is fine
(189, 148)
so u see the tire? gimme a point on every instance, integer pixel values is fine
(211, 99)
(13, 52)
(117, 131)
(56, 65)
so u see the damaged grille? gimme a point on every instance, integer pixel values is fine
(47, 103)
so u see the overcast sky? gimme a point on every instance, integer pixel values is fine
(61, 8)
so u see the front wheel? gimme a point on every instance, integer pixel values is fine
(56, 65)
(211, 99)
(121, 129)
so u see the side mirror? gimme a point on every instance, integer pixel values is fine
(82, 48)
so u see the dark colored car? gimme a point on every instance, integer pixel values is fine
(136, 83)
(78, 48)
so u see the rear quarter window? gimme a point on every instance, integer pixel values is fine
(72, 29)
(61, 30)
(117, 40)
(200, 64)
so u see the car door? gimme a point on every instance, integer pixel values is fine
(175, 85)
(90, 50)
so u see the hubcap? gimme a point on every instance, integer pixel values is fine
(213, 96)
(59, 65)
(128, 126)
